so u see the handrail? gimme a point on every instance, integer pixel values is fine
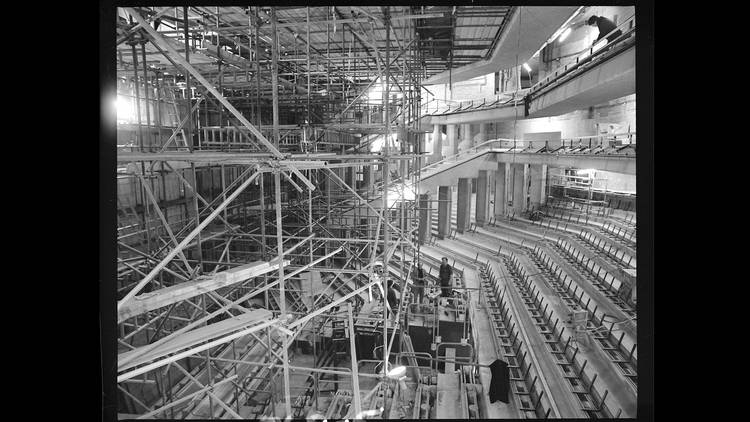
(627, 27)
(589, 53)
(482, 103)
(476, 148)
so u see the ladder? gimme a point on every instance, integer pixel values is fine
(174, 115)
(340, 343)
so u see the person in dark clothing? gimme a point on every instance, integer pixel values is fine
(605, 27)
(419, 284)
(445, 278)
(392, 297)
(500, 381)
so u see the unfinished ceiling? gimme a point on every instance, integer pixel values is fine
(347, 44)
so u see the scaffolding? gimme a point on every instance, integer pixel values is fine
(225, 214)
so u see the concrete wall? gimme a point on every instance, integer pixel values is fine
(559, 54)
(449, 177)
(617, 181)
(612, 117)
(516, 181)
(476, 88)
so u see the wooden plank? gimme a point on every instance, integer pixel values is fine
(164, 297)
(199, 335)
(447, 397)
(450, 354)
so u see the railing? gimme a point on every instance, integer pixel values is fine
(591, 401)
(627, 27)
(620, 255)
(615, 290)
(231, 136)
(629, 236)
(508, 145)
(611, 346)
(527, 393)
(438, 106)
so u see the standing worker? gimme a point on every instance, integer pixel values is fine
(419, 284)
(605, 27)
(393, 296)
(445, 278)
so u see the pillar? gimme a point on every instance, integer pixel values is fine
(482, 203)
(403, 168)
(518, 188)
(463, 208)
(371, 176)
(366, 178)
(451, 143)
(535, 190)
(466, 140)
(501, 181)
(543, 199)
(437, 144)
(425, 219)
(351, 177)
(525, 188)
(482, 133)
(444, 211)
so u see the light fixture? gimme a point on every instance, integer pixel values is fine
(396, 372)
(565, 34)
(369, 413)
(598, 46)
(527, 67)
(124, 109)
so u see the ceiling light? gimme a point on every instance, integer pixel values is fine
(527, 67)
(565, 34)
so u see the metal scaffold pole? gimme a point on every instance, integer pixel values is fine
(385, 212)
(282, 294)
(189, 126)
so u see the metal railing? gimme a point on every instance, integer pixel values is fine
(591, 54)
(588, 55)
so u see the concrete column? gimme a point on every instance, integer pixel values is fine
(366, 180)
(535, 190)
(444, 211)
(451, 143)
(482, 204)
(543, 199)
(402, 168)
(482, 133)
(350, 178)
(518, 188)
(463, 208)
(437, 144)
(466, 140)
(501, 196)
(525, 190)
(425, 218)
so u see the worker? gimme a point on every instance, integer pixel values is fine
(445, 278)
(419, 284)
(605, 27)
(393, 295)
